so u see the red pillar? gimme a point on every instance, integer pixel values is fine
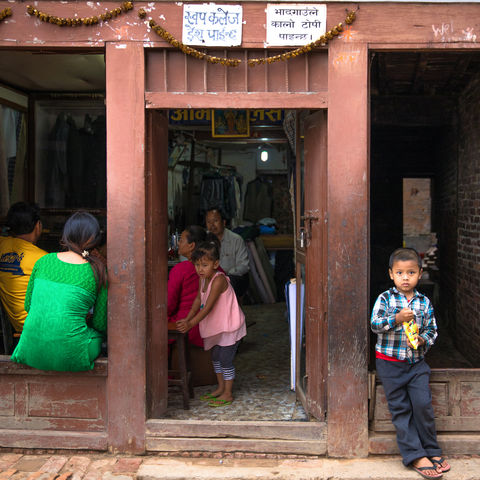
(125, 73)
(348, 253)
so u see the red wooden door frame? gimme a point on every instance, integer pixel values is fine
(315, 154)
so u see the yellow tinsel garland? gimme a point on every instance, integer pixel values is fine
(320, 42)
(6, 12)
(229, 62)
(234, 62)
(77, 21)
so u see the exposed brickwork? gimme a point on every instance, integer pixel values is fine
(468, 253)
(444, 223)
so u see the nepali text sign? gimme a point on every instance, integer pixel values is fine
(203, 117)
(295, 24)
(212, 25)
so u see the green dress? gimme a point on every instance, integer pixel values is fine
(57, 335)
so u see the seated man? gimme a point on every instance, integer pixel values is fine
(233, 252)
(18, 255)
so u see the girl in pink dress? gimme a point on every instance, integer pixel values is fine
(222, 322)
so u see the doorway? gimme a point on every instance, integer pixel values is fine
(265, 393)
(423, 193)
(279, 227)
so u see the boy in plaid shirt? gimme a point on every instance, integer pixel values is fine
(402, 369)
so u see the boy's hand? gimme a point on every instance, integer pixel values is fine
(420, 340)
(182, 326)
(404, 315)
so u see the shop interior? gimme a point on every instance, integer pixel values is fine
(208, 159)
(420, 132)
(53, 120)
(53, 142)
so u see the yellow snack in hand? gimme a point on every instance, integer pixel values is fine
(411, 329)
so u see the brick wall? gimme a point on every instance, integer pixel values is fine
(444, 223)
(468, 253)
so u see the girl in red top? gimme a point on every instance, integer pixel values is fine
(183, 281)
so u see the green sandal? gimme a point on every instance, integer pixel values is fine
(208, 397)
(219, 402)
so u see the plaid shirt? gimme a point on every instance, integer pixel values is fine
(391, 338)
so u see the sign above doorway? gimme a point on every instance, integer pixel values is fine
(212, 25)
(295, 24)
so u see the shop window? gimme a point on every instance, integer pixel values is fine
(70, 154)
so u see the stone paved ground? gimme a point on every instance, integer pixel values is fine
(18, 466)
(218, 466)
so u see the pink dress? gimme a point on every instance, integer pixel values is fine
(225, 324)
(182, 289)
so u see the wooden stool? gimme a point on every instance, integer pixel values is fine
(181, 376)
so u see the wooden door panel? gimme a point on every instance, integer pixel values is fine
(455, 400)
(315, 145)
(156, 227)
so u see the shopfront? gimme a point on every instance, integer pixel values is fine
(120, 405)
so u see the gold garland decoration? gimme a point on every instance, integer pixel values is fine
(6, 12)
(234, 62)
(76, 21)
(228, 62)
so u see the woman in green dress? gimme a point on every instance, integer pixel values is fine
(59, 332)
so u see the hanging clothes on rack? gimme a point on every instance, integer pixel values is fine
(258, 200)
(57, 179)
(220, 191)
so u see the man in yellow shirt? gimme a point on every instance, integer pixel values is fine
(18, 255)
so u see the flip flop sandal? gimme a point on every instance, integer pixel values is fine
(208, 397)
(420, 470)
(438, 464)
(219, 402)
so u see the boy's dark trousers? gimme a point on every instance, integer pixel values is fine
(409, 399)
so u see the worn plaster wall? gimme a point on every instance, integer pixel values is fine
(468, 255)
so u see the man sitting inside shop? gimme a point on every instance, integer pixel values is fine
(233, 251)
(18, 255)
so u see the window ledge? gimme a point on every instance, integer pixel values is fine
(7, 367)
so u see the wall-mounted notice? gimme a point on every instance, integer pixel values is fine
(295, 24)
(209, 24)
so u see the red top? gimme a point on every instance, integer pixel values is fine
(182, 290)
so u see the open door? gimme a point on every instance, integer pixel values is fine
(311, 264)
(156, 179)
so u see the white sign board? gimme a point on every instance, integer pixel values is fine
(212, 25)
(295, 24)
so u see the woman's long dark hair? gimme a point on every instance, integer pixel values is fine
(81, 234)
(195, 233)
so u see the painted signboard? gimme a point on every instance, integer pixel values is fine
(213, 25)
(295, 24)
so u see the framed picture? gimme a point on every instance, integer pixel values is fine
(230, 123)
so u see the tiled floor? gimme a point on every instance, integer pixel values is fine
(262, 385)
